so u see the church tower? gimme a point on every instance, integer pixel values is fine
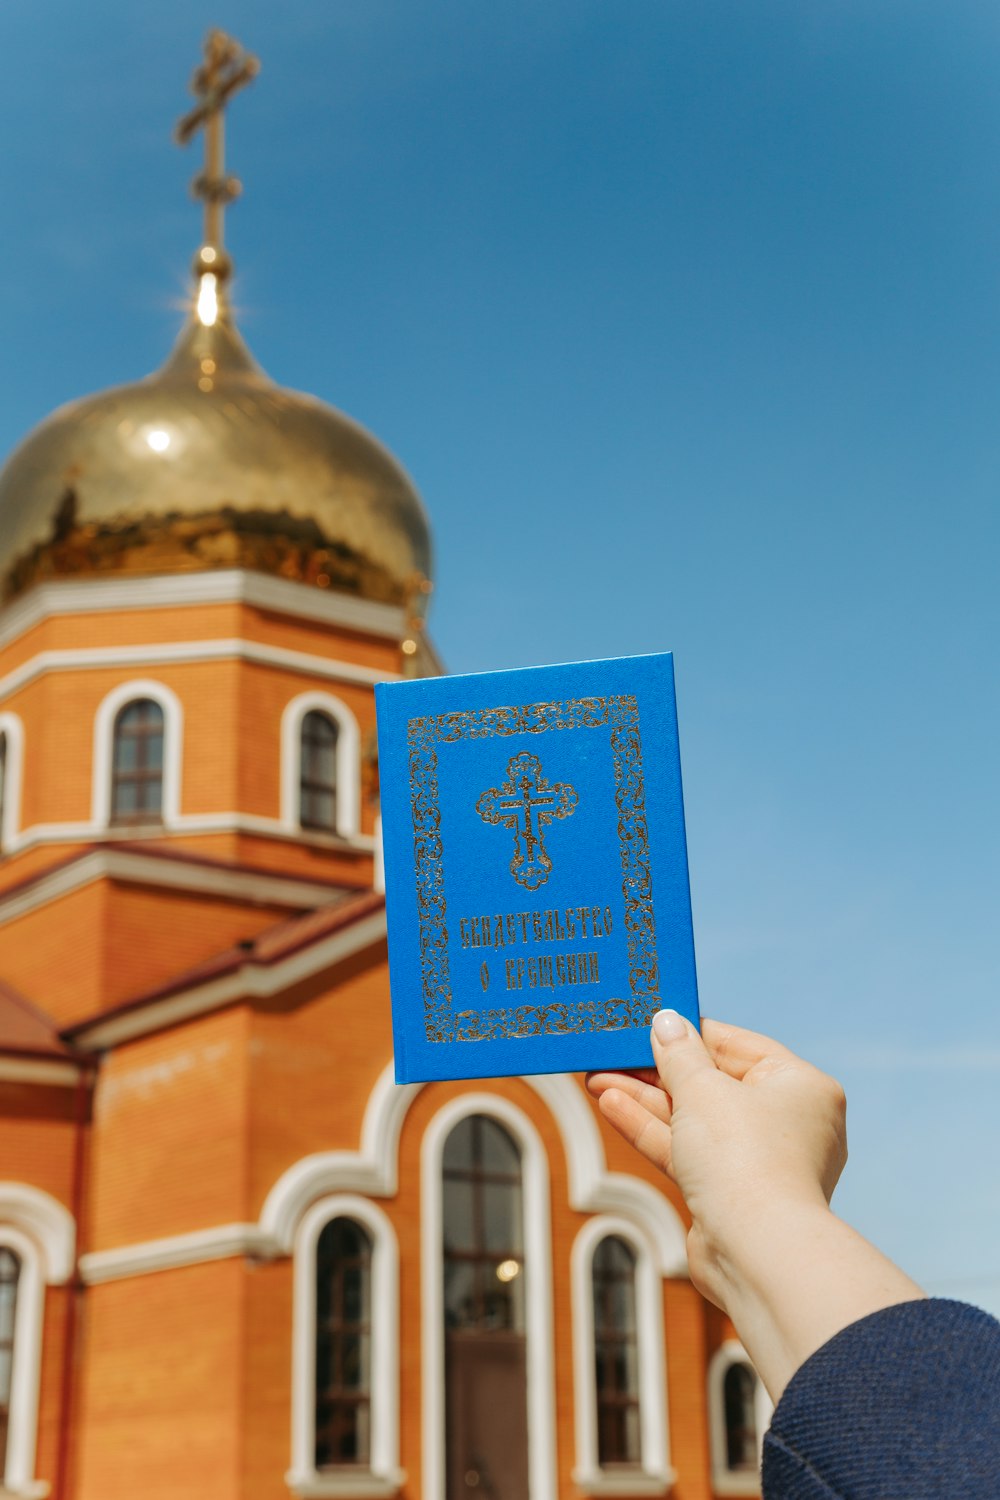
(237, 1262)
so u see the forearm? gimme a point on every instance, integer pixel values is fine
(794, 1282)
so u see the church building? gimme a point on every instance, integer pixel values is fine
(237, 1261)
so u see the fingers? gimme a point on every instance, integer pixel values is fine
(643, 1086)
(735, 1051)
(679, 1053)
(649, 1136)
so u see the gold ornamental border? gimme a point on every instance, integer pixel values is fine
(441, 1023)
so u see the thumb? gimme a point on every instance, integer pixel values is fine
(678, 1051)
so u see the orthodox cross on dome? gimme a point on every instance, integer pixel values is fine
(227, 67)
(527, 803)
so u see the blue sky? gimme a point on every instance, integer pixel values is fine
(699, 302)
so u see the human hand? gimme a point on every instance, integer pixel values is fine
(748, 1131)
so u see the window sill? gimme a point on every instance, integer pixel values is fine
(745, 1485)
(624, 1482)
(31, 1489)
(346, 1484)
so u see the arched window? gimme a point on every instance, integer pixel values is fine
(343, 1345)
(10, 1273)
(738, 1412)
(616, 1353)
(739, 1393)
(486, 1417)
(137, 763)
(318, 772)
(620, 1384)
(345, 1351)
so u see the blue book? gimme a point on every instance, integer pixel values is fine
(536, 873)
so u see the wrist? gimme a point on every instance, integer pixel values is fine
(768, 1247)
(791, 1287)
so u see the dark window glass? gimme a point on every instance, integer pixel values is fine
(483, 1231)
(137, 763)
(318, 772)
(615, 1353)
(741, 1419)
(343, 1345)
(10, 1270)
(3, 782)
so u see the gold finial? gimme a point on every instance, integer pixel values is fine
(227, 67)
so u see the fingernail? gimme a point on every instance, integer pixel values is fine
(668, 1026)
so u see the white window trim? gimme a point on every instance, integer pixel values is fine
(655, 1474)
(173, 741)
(542, 1481)
(41, 1233)
(374, 1169)
(724, 1480)
(11, 726)
(348, 800)
(383, 1477)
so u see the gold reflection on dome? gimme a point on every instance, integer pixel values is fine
(186, 471)
(207, 463)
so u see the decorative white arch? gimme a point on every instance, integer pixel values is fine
(348, 803)
(383, 1476)
(638, 1211)
(49, 1224)
(12, 728)
(726, 1481)
(373, 1169)
(655, 1475)
(542, 1481)
(173, 742)
(41, 1233)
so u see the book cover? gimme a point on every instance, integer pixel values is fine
(537, 895)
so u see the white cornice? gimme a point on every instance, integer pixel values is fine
(249, 981)
(133, 868)
(221, 822)
(173, 1251)
(37, 1070)
(186, 653)
(170, 591)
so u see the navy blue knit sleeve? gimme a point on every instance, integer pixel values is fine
(903, 1405)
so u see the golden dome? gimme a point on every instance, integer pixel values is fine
(209, 464)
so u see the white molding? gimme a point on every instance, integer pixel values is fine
(11, 726)
(344, 1486)
(726, 1481)
(221, 822)
(48, 1224)
(655, 1475)
(542, 1471)
(226, 586)
(371, 1170)
(347, 799)
(37, 1070)
(378, 875)
(383, 1476)
(247, 982)
(173, 1251)
(128, 866)
(29, 1315)
(173, 747)
(187, 653)
(593, 1189)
